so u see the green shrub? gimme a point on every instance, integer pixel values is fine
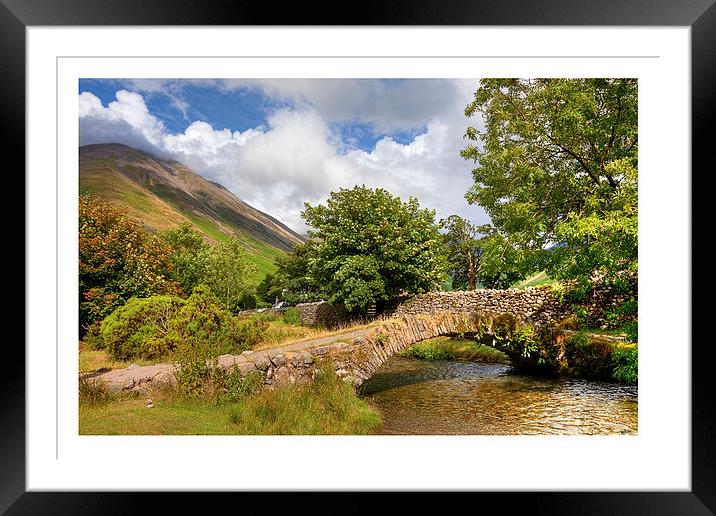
(291, 316)
(621, 313)
(632, 330)
(93, 338)
(626, 364)
(581, 313)
(138, 329)
(237, 336)
(201, 331)
(579, 339)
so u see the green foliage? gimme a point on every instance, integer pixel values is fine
(632, 330)
(187, 257)
(291, 316)
(370, 246)
(477, 255)
(581, 313)
(140, 327)
(621, 313)
(196, 330)
(626, 364)
(557, 173)
(292, 281)
(429, 352)
(580, 339)
(93, 338)
(227, 271)
(231, 386)
(203, 330)
(117, 260)
(508, 334)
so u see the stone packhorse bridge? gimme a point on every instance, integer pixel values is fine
(521, 323)
(354, 358)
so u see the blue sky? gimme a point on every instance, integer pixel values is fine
(277, 143)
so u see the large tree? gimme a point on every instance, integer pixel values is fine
(371, 246)
(463, 244)
(117, 260)
(476, 255)
(557, 172)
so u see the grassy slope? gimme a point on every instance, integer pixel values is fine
(447, 348)
(537, 280)
(158, 215)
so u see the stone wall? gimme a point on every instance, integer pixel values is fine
(539, 305)
(321, 313)
(534, 304)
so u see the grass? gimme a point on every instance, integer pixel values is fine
(92, 360)
(537, 280)
(327, 406)
(447, 348)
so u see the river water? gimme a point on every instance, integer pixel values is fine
(429, 397)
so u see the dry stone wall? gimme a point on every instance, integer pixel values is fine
(321, 313)
(539, 305)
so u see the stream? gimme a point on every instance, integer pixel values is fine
(429, 397)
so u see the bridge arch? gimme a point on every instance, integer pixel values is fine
(358, 360)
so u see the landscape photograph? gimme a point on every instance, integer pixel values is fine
(358, 256)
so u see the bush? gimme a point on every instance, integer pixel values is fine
(632, 330)
(622, 313)
(238, 336)
(234, 387)
(291, 316)
(626, 364)
(201, 331)
(139, 328)
(93, 337)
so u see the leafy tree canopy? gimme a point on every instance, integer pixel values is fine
(369, 246)
(117, 260)
(557, 172)
(476, 255)
(292, 281)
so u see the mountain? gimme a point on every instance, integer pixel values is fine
(163, 194)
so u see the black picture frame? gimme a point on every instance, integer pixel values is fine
(700, 15)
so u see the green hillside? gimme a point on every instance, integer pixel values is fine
(165, 194)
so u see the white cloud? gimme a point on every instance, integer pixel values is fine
(297, 158)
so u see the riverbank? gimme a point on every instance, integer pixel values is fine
(602, 356)
(448, 348)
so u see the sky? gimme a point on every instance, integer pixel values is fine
(277, 143)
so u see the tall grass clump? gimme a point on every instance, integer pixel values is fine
(325, 406)
(93, 392)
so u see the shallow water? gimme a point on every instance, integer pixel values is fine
(448, 397)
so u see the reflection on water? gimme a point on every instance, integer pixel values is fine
(448, 397)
